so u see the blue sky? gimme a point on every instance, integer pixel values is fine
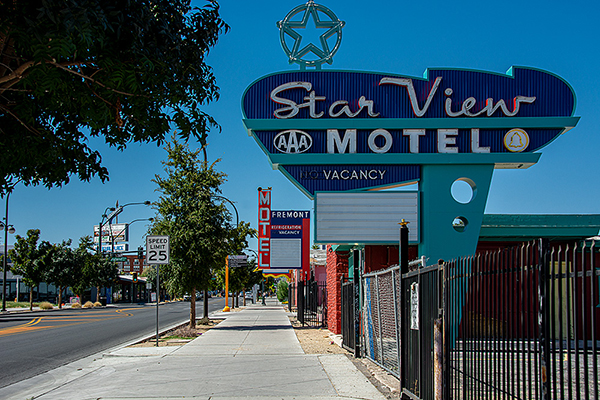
(385, 36)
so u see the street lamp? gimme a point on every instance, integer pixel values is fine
(112, 237)
(102, 223)
(7, 229)
(115, 211)
(237, 217)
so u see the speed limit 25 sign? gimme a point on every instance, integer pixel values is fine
(157, 249)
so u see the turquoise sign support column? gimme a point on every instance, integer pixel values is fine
(450, 229)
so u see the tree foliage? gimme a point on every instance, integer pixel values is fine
(90, 268)
(128, 71)
(30, 260)
(63, 268)
(282, 290)
(191, 211)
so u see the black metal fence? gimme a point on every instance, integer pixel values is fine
(348, 334)
(421, 308)
(310, 300)
(523, 323)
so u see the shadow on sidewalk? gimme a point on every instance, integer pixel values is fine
(252, 327)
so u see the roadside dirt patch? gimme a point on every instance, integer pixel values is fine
(180, 335)
(315, 340)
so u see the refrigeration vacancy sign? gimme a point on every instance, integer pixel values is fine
(290, 239)
(157, 249)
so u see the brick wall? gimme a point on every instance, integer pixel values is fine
(337, 266)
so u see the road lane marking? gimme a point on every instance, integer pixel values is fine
(67, 320)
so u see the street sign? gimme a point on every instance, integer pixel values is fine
(237, 261)
(157, 249)
(118, 259)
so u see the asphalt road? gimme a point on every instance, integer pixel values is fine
(36, 342)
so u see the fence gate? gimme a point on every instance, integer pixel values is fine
(420, 308)
(348, 334)
(310, 298)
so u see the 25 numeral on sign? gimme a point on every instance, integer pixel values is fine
(156, 256)
(157, 249)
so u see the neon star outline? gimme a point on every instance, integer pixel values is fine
(288, 27)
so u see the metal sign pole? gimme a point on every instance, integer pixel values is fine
(157, 298)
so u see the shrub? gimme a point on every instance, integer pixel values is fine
(88, 304)
(184, 333)
(282, 290)
(44, 305)
(76, 305)
(97, 304)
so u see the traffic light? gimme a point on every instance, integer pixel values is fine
(140, 252)
(135, 277)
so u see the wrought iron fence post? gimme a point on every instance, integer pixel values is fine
(439, 342)
(404, 314)
(300, 302)
(356, 278)
(543, 268)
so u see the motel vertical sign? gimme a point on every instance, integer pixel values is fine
(264, 228)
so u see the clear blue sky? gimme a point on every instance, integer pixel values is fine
(393, 36)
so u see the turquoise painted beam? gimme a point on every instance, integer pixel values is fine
(410, 123)
(499, 160)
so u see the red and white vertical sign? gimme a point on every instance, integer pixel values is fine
(264, 228)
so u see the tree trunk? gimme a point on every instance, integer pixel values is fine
(205, 304)
(60, 289)
(97, 294)
(30, 298)
(193, 309)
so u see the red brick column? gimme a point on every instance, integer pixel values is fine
(337, 266)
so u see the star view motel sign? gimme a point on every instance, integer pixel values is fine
(349, 131)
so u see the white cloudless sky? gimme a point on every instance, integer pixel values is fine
(399, 37)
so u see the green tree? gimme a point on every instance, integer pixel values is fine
(30, 260)
(103, 273)
(127, 71)
(86, 266)
(63, 268)
(282, 290)
(198, 223)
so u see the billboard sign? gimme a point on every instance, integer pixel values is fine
(112, 233)
(118, 247)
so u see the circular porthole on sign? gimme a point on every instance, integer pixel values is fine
(460, 224)
(463, 190)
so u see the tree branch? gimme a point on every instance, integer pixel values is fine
(64, 67)
(29, 128)
(18, 73)
(10, 79)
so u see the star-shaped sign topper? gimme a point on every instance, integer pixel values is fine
(332, 26)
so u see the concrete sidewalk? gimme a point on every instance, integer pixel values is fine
(253, 353)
